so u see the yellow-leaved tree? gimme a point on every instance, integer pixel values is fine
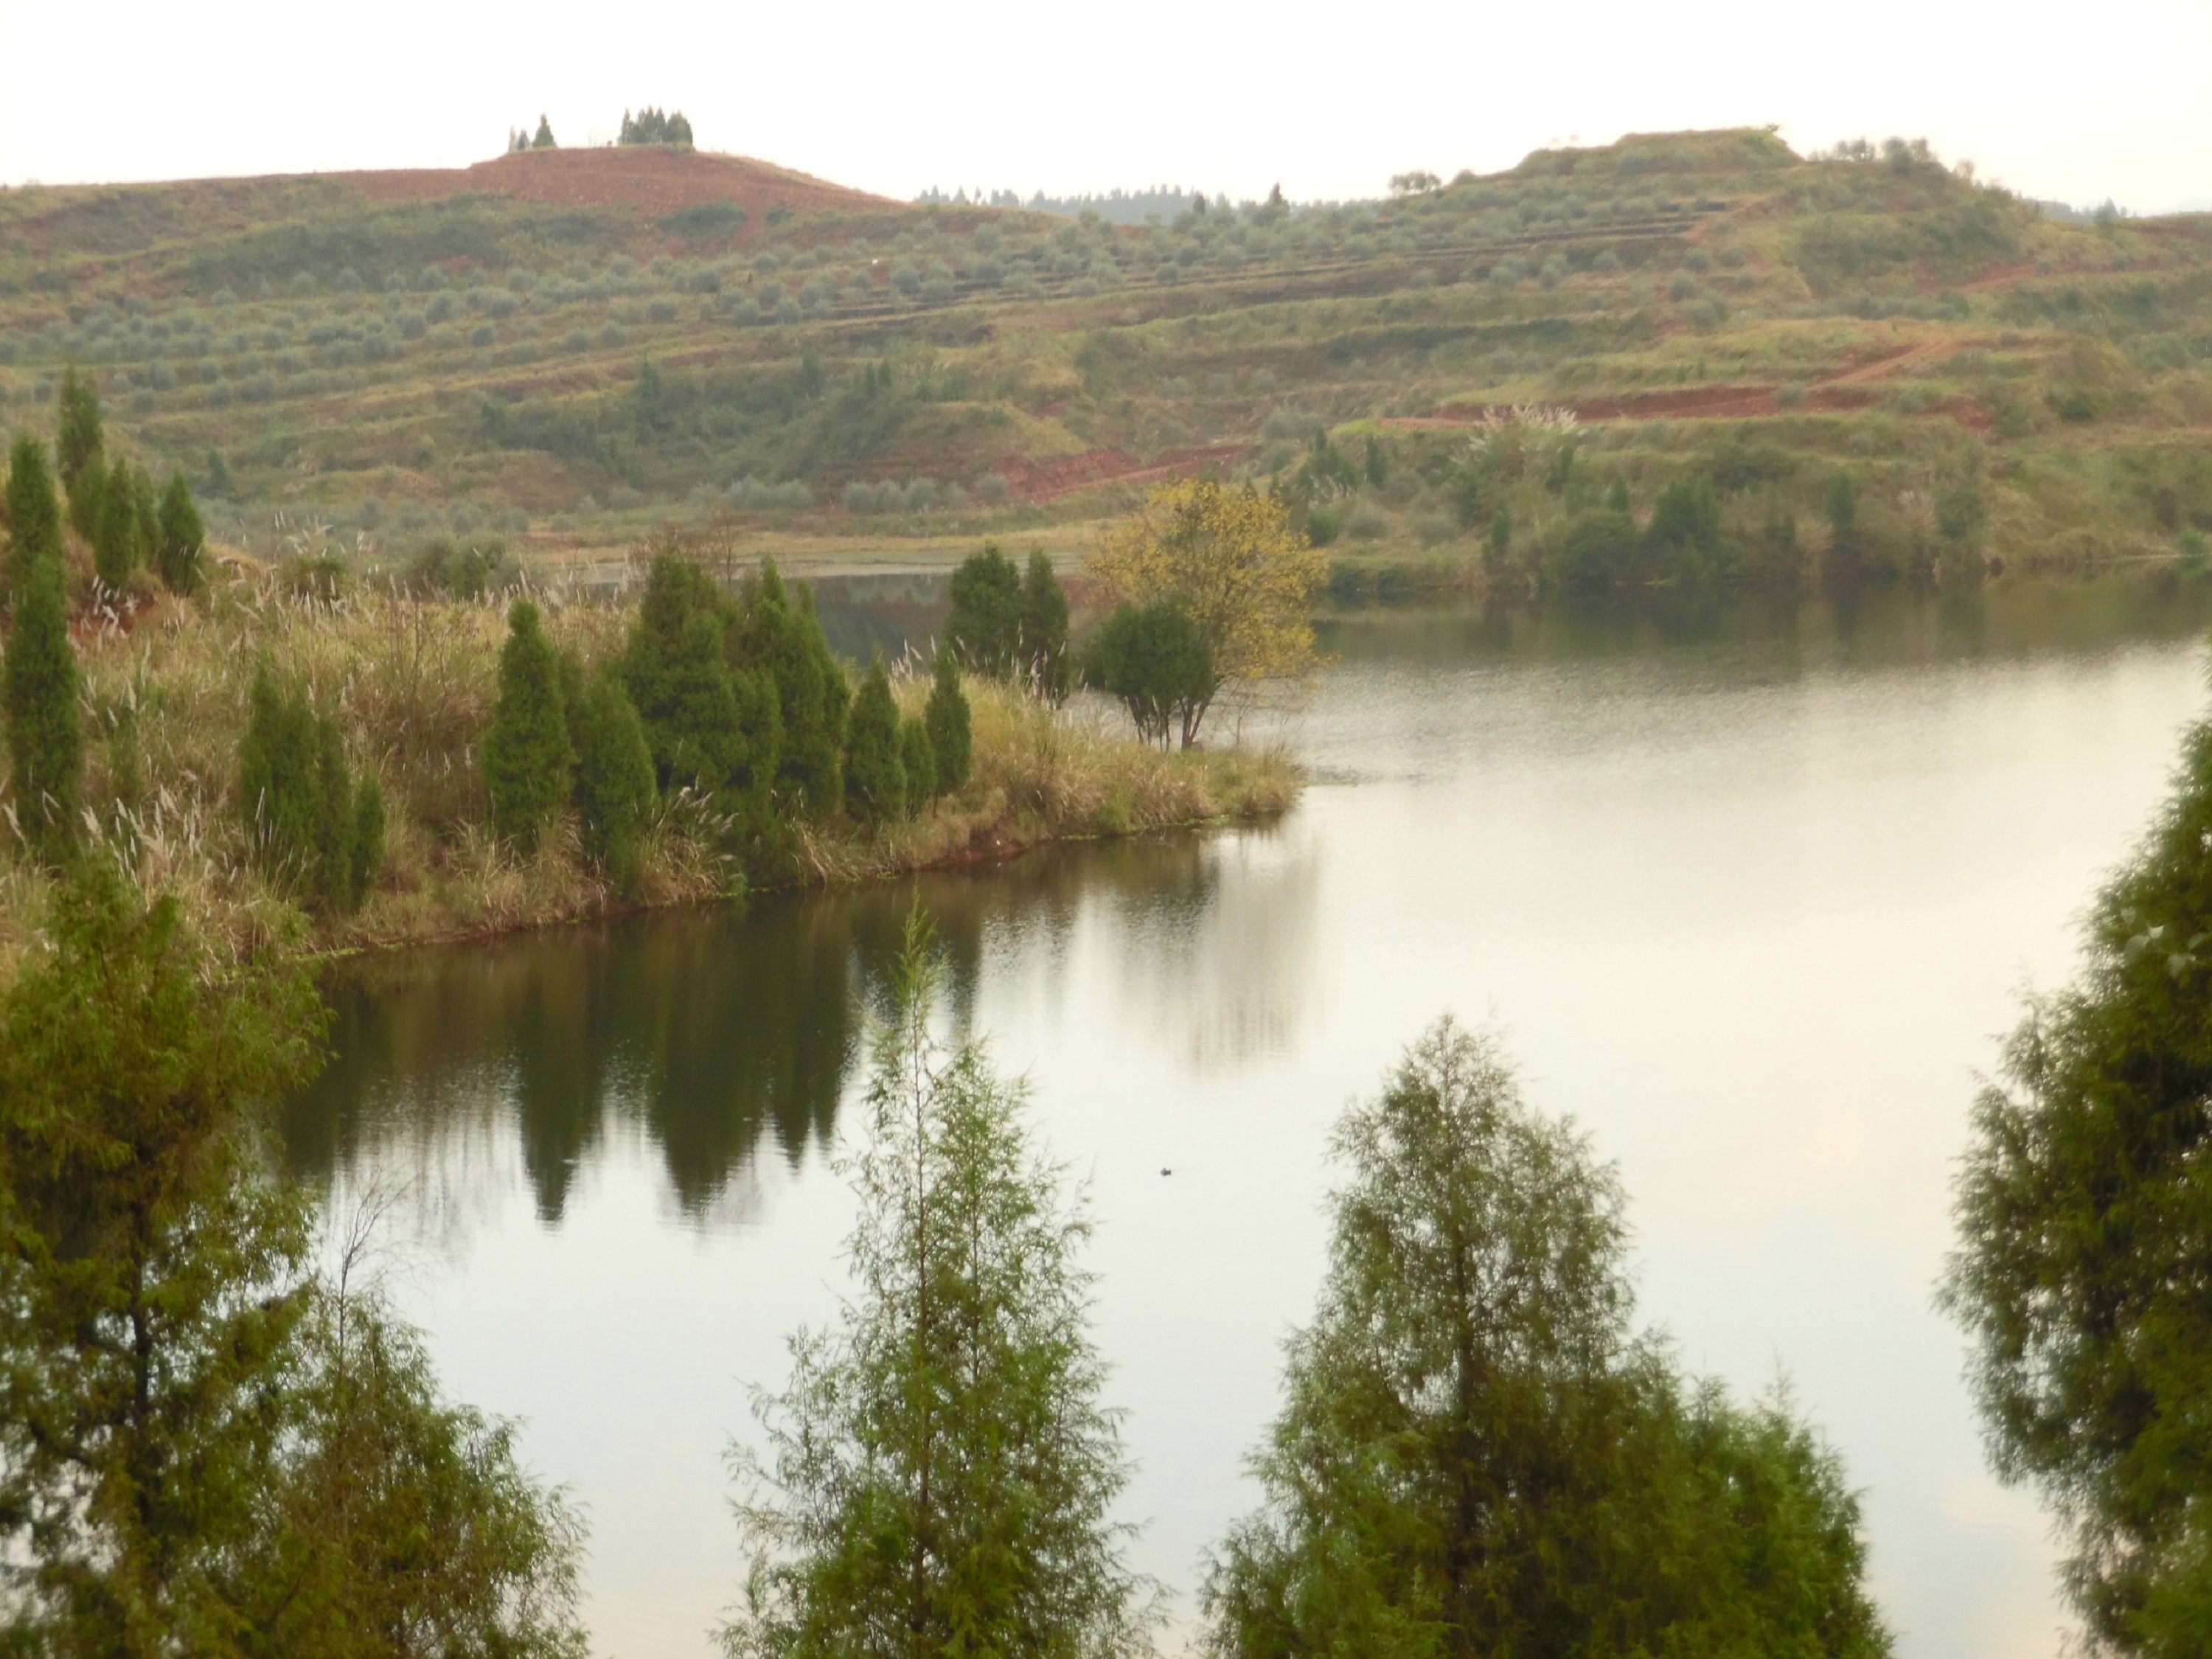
(1226, 557)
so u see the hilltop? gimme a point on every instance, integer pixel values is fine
(566, 347)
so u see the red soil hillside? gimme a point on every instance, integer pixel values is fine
(651, 179)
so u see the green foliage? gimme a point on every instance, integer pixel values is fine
(1683, 536)
(34, 513)
(1595, 550)
(152, 1282)
(677, 667)
(918, 760)
(940, 1468)
(204, 1450)
(988, 606)
(1155, 661)
(1497, 541)
(543, 138)
(528, 765)
(469, 571)
(310, 826)
(653, 126)
(1042, 653)
(2082, 1211)
(875, 770)
(181, 546)
(115, 544)
(45, 737)
(784, 644)
(615, 783)
(951, 741)
(87, 495)
(1839, 504)
(78, 437)
(1477, 1456)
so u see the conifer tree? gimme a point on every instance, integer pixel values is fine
(88, 496)
(920, 763)
(951, 741)
(942, 1469)
(78, 439)
(308, 825)
(181, 540)
(543, 139)
(614, 779)
(45, 737)
(812, 758)
(784, 642)
(147, 506)
(875, 772)
(676, 668)
(115, 535)
(34, 513)
(985, 624)
(529, 768)
(1043, 648)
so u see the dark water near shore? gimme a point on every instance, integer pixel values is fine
(1750, 890)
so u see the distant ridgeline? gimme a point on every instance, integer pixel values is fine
(1116, 207)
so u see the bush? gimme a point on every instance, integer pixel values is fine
(1156, 662)
(1367, 523)
(1595, 550)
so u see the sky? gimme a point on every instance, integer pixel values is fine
(2070, 102)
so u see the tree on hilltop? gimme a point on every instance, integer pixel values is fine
(543, 138)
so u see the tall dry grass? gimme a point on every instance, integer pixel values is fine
(411, 681)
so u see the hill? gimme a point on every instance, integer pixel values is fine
(567, 347)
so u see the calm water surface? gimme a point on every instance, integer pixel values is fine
(1750, 894)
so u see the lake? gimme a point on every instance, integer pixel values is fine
(1749, 889)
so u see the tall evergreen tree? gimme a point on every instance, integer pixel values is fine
(34, 513)
(181, 546)
(614, 779)
(544, 137)
(951, 742)
(529, 768)
(46, 736)
(206, 1448)
(875, 774)
(78, 437)
(88, 496)
(677, 666)
(2083, 1212)
(306, 821)
(1476, 1454)
(784, 643)
(985, 624)
(1043, 650)
(941, 1466)
(919, 762)
(116, 551)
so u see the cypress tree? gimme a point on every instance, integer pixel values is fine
(181, 544)
(45, 741)
(951, 741)
(811, 756)
(147, 507)
(34, 513)
(308, 826)
(784, 645)
(1044, 630)
(78, 439)
(87, 495)
(919, 763)
(528, 765)
(614, 779)
(875, 774)
(678, 671)
(543, 138)
(115, 535)
(985, 624)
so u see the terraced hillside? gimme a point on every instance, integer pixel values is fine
(1863, 359)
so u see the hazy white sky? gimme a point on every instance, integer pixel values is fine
(2073, 101)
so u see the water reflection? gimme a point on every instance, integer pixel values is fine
(716, 1033)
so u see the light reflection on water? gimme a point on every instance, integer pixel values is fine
(1750, 891)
